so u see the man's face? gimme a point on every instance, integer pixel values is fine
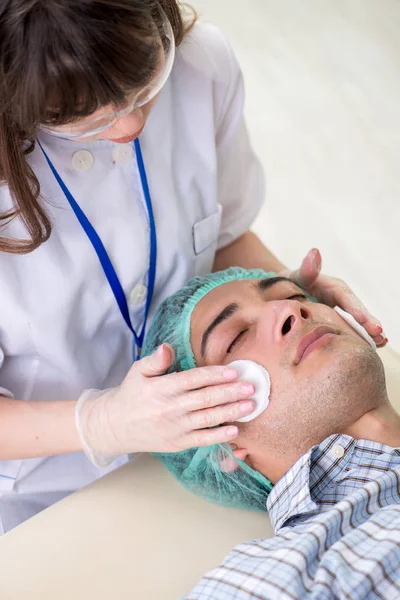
(324, 376)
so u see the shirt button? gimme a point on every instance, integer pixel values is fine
(338, 451)
(138, 294)
(122, 153)
(82, 160)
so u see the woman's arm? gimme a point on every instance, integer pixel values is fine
(33, 429)
(248, 252)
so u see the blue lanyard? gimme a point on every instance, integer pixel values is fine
(101, 252)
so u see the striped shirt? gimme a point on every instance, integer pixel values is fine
(336, 517)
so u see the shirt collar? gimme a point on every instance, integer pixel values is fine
(291, 495)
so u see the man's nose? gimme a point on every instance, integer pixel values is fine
(290, 318)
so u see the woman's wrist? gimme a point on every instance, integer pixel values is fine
(30, 429)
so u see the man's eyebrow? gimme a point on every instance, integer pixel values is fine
(225, 314)
(265, 284)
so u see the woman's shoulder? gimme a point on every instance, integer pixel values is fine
(206, 49)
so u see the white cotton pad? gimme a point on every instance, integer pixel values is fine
(254, 373)
(356, 326)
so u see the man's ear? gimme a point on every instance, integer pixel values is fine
(229, 463)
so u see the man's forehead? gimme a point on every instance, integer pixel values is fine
(232, 289)
(250, 286)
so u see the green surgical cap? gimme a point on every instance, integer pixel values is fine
(199, 469)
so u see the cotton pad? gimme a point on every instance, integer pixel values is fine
(356, 326)
(259, 377)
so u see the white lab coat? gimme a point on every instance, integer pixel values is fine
(60, 328)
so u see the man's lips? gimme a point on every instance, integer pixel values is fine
(311, 341)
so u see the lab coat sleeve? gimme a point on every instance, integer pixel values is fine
(3, 391)
(241, 183)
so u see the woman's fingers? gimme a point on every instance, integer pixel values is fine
(346, 299)
(216, 395)
(194, 379)
(335, 292)
(309, 270)
(157, 363)
(381, 341)
(208, 437)
(372, 326)
(212, 417)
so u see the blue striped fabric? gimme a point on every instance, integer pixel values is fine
(336, 517)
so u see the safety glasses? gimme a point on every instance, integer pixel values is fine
(138, 99)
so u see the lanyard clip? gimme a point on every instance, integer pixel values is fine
(138, 352)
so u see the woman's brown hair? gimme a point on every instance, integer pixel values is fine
(61, 60)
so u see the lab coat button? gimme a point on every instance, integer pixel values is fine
(82, 160)
(338, 451)
(122, 153)
(138, 294)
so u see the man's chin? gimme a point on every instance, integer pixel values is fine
(360, 377)
(340, 384)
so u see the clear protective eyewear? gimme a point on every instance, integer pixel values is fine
(137, 100)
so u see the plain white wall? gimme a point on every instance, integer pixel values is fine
(323, 109)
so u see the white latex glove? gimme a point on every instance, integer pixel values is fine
(152, 412)
(334, 292)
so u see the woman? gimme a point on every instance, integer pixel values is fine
(98, 228)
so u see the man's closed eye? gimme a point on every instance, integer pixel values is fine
(236, 340)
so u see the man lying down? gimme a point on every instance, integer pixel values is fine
(322, 459)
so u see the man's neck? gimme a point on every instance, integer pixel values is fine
(381, 425)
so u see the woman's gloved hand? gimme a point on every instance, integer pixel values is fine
(152, 412)
(334, 292)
